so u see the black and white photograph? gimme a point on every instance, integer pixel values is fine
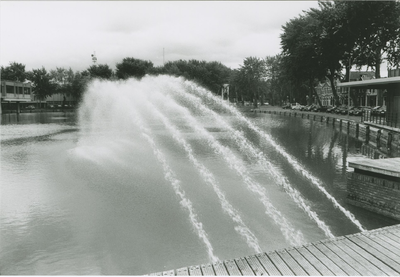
(200, 138)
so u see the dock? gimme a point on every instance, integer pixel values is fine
(370, 253)
(375, 185)
(389, 167)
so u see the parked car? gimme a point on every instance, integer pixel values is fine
(356, 111)
(378, 110)
(286, 106)
(295, 106)
(347, 110)
(331, 109)
(318, 108)
(30, 107)
(339, 109)
(304, 107)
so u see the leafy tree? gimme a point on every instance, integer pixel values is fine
(14, 72)
(211, 75)
(375, 26)
(79, 83)
(249, 78)
(131, 67)
(300, 61)
(278, 82)
(62, 78)
(102, 71)
(43, 86)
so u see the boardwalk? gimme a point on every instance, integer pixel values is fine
(372, 253)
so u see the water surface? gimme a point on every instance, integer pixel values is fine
(94, 197)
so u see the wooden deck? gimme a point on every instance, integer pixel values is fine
(371, 253)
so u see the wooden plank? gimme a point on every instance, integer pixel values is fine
(184, 271)
(336, 259)
(369, 269)
(195, 270)
(390, 247)
(268, 265)
(207, 270)
(391, 239)
(168, 273)
(387, 238)
(324, 259)
(395, 233)
(372, 259)
(280, 264)
(292, 264)
(307, 266)
(373, 249)
(232, 268)
(314, 261)
(244, 267)
(256, 266)
(220, 269)
(349, 259)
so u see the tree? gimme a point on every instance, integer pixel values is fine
(43, 86)
(376, 29)
(102, 71)
(278, 82)
(211, 75)
(249, 78)
(62, 78)
(131, 67)
(79, 84)
(14, 72)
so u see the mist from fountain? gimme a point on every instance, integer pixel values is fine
(134, 107)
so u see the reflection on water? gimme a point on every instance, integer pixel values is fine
(38, 117)
(98, 202)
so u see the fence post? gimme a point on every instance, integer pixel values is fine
(322, 118)
(389, 141)
(378, 139)
(348, 127)
(357, 130)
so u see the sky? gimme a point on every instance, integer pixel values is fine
(66, 33)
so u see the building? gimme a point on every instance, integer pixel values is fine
(390, 88)
(13, 93)
(364, 97)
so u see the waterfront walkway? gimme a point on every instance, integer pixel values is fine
(371, 253)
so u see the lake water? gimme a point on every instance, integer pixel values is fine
(124, 189)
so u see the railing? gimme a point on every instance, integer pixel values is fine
(389, 119)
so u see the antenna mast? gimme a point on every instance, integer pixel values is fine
(94, 58)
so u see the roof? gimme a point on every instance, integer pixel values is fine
(382, 82)
(366, 75)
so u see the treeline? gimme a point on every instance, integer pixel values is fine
(318, 45)
(322, 43)
(211, 75)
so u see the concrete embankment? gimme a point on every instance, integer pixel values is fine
(384, 139)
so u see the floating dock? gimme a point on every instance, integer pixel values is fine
(370, 253)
